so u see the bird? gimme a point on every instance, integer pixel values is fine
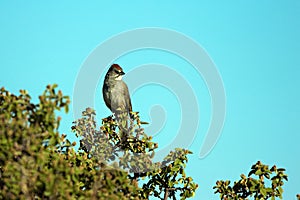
(115, 91)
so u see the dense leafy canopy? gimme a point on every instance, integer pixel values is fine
(249, 186)
(36, 162)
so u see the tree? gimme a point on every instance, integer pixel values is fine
(37, 162)
(133, 152)
(249, 186)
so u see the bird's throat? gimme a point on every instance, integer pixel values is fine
(118, 78)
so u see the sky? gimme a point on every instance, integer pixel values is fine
(254, 46)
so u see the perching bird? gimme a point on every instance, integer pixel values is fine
(115, 91)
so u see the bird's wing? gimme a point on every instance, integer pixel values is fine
(127, 100)
(106, 97)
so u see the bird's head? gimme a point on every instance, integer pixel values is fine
(116, 72)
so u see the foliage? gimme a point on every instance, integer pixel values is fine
(130, 149)
(36, 162)
(170, 175)
(28, 139)
(256, 187)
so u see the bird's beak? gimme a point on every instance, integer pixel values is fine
(122, 73)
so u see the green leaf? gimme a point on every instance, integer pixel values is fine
(280, 190)
(263, 192)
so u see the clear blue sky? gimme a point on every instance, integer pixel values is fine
(255, 46)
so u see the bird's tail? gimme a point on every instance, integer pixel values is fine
(123, 122)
